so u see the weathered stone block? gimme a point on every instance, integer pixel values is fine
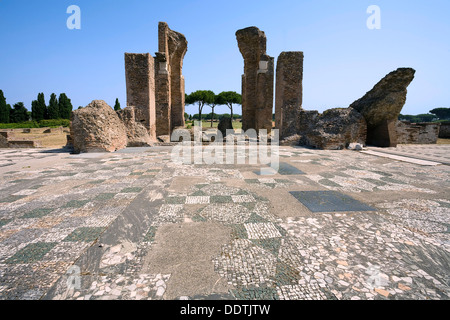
(97, 128)
(137, 134)
(292, 117)
(335, 129)
(382, 105)
(23, 144)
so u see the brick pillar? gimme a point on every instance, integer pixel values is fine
(289, 88)
(140, 83)
(264, 94)
(163, 96)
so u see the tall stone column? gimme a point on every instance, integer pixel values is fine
(257, 81)
(177, 84)
(264, 93)
(289, 90)
(140, 83)
(163, 97)
(170, 81)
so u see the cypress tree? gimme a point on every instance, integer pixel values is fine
(53, 107)
(38, 108)
(65, 106)
(19, 113)
(4, 109)
(117, 105)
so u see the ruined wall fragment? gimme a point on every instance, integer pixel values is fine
(140, 82)
(257, 81)
(382, 105)
(289, 90)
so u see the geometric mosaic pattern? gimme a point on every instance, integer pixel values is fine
(50, 218)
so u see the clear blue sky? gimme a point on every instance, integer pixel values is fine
(343, 58)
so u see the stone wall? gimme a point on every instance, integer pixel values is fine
(417, 133)
(289, 89)
(444, 131)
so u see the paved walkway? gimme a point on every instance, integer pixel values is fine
(135, 225)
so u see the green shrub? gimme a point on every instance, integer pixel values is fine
(35, 124)
(21, 125)
(55, 123)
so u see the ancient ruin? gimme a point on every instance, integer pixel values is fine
(98, 129)
(155, 101)
(156, 93)
(335, 129)
(417, 133)
(257, 80)
(137, 133)
(170, 91)
(371, 120)
(289, 90)
(382, 105)
(155, 86)
(140, 80)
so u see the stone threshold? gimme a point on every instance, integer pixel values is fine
(402, 158)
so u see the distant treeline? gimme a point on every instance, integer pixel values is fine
(435, 115)
(58, 108)
(210, 116)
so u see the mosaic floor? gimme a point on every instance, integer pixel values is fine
(135, 225)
